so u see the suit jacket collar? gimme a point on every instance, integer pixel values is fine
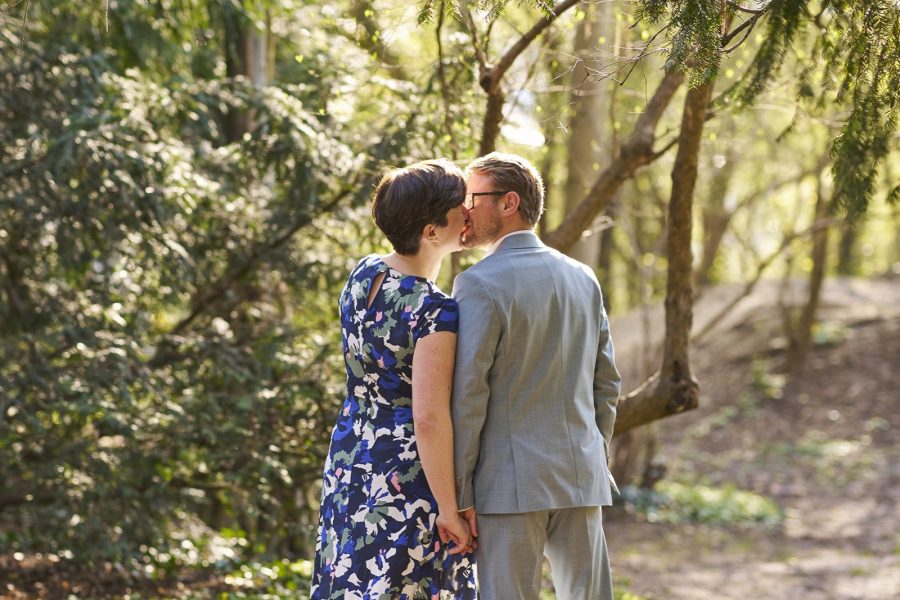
(525, 238)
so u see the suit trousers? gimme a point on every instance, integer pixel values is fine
(511, 549)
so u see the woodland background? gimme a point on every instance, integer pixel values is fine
(184, 185)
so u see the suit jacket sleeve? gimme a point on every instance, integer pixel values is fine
(479, 334)
(607, 383)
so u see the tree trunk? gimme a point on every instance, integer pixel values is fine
(554, 104)
(585, 150)
(803, 333)
(848, 264)
(247, 54)
(676, 390)
(715, 218)
(605, 263)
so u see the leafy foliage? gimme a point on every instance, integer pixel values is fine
(672, 502)
(694, 33)
(168, 350)
(128, 388)
(867, 41)
(856, 44)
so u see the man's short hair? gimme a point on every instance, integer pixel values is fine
(409, 198)
(512, 172)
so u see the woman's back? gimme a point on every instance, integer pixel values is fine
(376, 531)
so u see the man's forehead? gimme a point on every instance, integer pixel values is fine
(477, 177)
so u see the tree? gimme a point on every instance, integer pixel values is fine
(863, 39)
(168, 273)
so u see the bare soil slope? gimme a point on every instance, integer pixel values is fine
(827, 451)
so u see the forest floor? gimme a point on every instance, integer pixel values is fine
(825, 447)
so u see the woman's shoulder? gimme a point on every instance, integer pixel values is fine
(436, 297)
(367, 264)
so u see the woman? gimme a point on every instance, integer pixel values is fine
(388, 523)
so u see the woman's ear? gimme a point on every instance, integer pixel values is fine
(429, 233)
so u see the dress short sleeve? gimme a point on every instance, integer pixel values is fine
(438, 314)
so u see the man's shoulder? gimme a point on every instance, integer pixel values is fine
(567, 262)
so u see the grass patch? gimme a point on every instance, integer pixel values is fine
(675, 503)
(834, 462)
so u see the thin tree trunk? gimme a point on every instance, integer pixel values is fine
(676, 390)
(248, 53)
(585, 152)
(803, 333)
(847, 263)
(607, 242)
(554, 105)
(715, 218)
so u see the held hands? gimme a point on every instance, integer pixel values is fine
(453, 527)
(469, 516)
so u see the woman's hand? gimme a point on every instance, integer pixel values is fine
(452, 527)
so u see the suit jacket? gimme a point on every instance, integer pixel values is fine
(535, 385)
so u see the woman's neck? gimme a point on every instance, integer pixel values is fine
(422, 264)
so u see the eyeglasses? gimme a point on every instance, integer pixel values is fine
(469, 201)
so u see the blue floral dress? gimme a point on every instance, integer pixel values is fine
(377, 536)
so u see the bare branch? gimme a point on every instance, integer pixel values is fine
(469, 22)
(642, 54)
(442, 76)
(729, 49)
(516, 49)
(751, 11)
(748, 24)
(638, 151)
(25, 22)
(760, 269)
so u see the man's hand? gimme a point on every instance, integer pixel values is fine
(469, 516)
(454, 528)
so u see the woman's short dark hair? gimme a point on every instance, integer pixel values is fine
(409, 198)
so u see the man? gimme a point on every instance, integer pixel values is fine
(534, 396)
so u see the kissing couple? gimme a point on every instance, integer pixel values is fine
(474, 436)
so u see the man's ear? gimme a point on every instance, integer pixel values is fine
(510, 204)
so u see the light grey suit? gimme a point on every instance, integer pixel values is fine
(534, 396)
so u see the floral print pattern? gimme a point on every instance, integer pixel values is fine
(377, 535)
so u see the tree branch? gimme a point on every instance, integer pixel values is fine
(638, 151)
(748, 24)
(740, 8)
(760, 269)
(499, 70)
(442, 77)
(218, 289)
(491, 77)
